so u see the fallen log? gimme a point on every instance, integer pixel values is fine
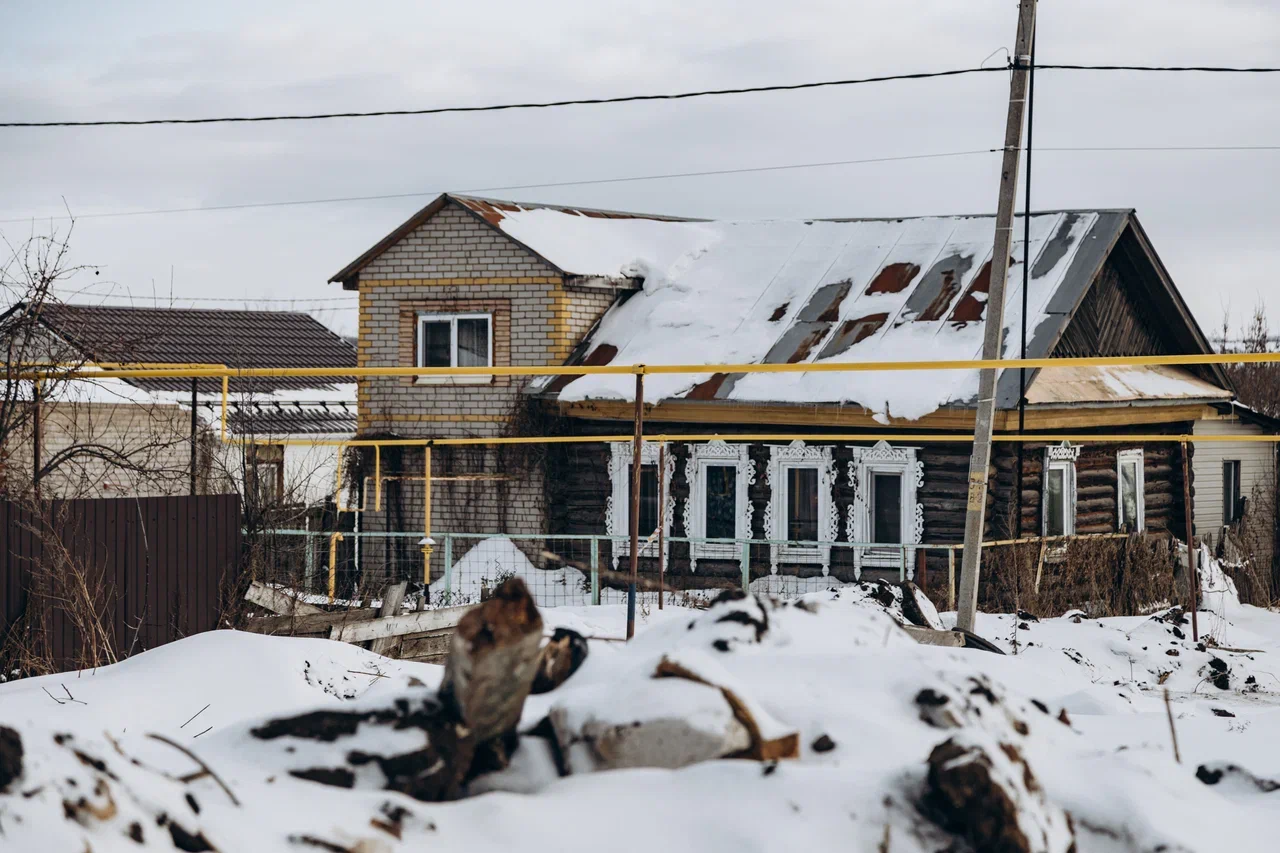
(309, 623)
(417, 622)
(276, 601)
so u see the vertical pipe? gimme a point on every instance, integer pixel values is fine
(1193, 576)
(595, 570)
(662, 518)
(194, 426)
(426, 520)
(448, 568)
(637, 443)
(35, 437)
(226, 393)
(334, 539)
(377, 478)
(746, 566)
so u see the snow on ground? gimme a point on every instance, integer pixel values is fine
(1080, 708)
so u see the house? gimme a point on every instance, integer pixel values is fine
(472, 282)
(136, 437)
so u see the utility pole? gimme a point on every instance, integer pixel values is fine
(980, 461)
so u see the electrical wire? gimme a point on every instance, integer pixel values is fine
(532, 105)
(624, 99)
(634, 178)
(578, 183)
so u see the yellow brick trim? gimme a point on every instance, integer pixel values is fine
(458, 282)
(561, 345)
(435, 419)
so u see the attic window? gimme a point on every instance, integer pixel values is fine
(455, 340)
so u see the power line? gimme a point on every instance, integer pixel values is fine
(628, 179)
(533, 105)
(636, 178)
(623, 99)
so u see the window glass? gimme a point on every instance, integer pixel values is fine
(1230, 490)
(435, 343)
(648, 499)
(721, 502)
(473, 342)
(1055, 503)
(886, 508)
(1129, 493)
(802, 504)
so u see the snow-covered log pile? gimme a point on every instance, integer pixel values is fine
(813, 724)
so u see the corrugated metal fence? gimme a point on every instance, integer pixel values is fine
(154, 568)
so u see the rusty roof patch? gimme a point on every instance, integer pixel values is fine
(970, 308)
(599, 356)
(932, 296)
(894, 278)
(707, 390)
(811, 325)
(779, 312)
(852, 332)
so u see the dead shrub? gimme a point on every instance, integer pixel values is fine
(1103, 577)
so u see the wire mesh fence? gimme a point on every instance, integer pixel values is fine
(462, 568)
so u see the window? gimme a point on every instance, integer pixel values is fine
(618, 506)
(801, 509)
(885, 480)
(1232, 501)
(1058, 499)
(718, 506)
(455, 340)
(1131, 500)
(266, 473)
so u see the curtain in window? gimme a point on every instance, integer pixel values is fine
(473, 342)
(802, 504)
(886, 508)
(722, 502)
(1055, 521)
(1129, 493)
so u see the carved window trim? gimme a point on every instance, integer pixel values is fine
(883, 458)
(781, 459)
(618, 504)
(1136, 457)
(701, 457)
(1060, 457)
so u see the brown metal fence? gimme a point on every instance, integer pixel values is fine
(150, 570)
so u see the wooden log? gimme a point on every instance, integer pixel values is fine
(276, 601)
(416, 622)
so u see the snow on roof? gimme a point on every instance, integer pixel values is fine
(1120, 385)
(743, 292)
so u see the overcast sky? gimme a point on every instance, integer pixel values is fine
(1213, 216)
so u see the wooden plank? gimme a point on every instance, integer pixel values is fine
(930, 637)
(310, 623)
(277, 601)
(390, 626)
(432, 645)
(392, 598)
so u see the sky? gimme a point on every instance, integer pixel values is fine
(1213, 216)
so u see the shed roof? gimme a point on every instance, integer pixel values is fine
(202, 336)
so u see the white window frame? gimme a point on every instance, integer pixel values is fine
(867, 462)
(781, 460)
(1135, 456)
(420, 357)
(1060, 458)
(701, 457)
(618, 504)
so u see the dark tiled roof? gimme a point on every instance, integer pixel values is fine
(203, 336)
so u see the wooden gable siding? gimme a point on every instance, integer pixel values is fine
(1109, 321)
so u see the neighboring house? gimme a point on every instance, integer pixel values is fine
(135, 437)
(474, 282)
(1236, 480)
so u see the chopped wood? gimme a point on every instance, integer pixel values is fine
(559, 659)
(276, 601)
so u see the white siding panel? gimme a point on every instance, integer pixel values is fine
(1257, 466)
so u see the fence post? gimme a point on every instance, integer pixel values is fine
(595, 570)
(902, 564)
(746, 566)
(951, 578)
(448, 567)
